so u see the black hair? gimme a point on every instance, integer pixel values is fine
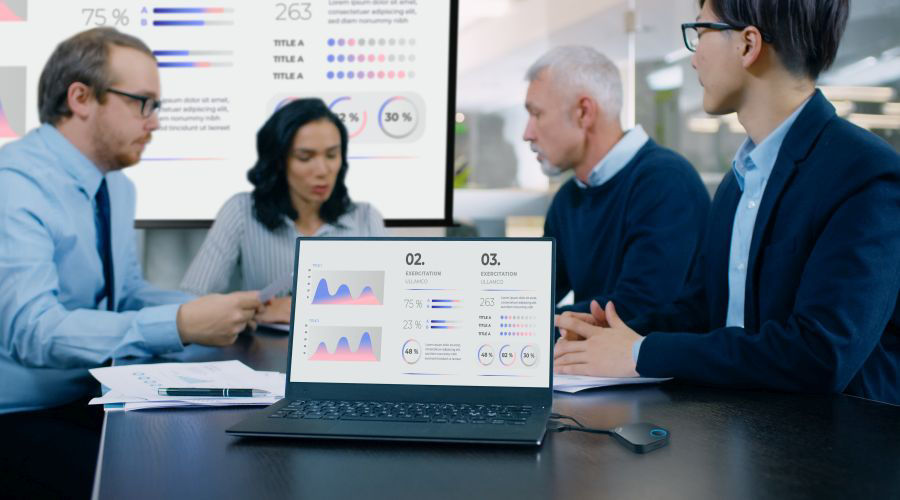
(804, 33)
(271, 199)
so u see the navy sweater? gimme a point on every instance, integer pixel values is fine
(634, 238)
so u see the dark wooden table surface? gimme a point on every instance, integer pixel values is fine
(724, 444)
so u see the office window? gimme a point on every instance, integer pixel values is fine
(499, 39)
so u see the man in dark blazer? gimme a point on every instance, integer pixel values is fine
(797, 285)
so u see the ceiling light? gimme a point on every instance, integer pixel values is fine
(668, 78)
(843, 108)
(858, 94)
(677, 55)
(891, 108)
(883, 122)
(868, 71)
(734, 125)
(703, 124)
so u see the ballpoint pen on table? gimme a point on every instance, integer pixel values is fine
(204, 392)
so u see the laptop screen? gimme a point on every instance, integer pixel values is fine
(423, 312)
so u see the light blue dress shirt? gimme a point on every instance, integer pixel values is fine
(752, 167)
(52, 330)
(616, 159)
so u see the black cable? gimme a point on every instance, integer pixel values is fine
(558, 416)
(639, 437)
(556, 426)
(564, 428)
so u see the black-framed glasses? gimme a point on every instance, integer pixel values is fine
(691, 32)
(149, 105)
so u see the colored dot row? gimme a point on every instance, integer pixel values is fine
(504, 317)
(371, 75)
(514, 325)
(362, 42)
(370, 58)
(516, 334)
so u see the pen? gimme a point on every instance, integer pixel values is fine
(219, 393)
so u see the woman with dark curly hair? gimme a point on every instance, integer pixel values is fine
(299, 191)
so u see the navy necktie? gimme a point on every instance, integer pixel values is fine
(104, 245)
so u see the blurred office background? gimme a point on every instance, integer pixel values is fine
(499, 188)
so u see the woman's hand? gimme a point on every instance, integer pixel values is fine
(277, 310)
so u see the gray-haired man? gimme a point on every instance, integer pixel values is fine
(629, 223)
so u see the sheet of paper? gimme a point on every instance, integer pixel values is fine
(575, 383)
(273, 382)
(143, 380)
(274, 288)
(194, 403)
(134, 387)
(115, 400)
(115, 397)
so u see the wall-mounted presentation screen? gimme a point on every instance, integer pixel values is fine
(386, 67)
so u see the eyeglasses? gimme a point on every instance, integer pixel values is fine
(691, 33)
(149, 105)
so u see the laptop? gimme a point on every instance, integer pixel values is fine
(418, 339)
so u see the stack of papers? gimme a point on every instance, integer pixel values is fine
(135, 387)
(575, 383)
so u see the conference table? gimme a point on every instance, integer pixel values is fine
(724, 443)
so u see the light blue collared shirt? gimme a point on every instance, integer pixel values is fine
(52, 330)
(617, 158)
(752, 167)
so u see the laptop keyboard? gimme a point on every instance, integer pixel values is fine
(439, 413)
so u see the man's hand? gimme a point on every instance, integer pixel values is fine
(597, 317)
(217, 319)
(604, 352)
(277, 310)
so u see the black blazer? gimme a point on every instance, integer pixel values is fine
(821, 304)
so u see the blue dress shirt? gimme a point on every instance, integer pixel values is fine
(52, 329)
(752, 166)
(616, 159)
(822, 308)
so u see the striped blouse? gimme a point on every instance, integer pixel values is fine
(238, 239)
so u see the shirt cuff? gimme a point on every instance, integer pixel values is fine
(158, 326)
(636, 349)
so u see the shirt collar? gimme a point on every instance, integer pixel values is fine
(324, 230)
(73, 161)
(763, 157)
(617, 158)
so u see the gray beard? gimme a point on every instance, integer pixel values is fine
(550, 170)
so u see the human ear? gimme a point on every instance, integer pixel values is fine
(80, 99)
(751, 43)
(587, 112)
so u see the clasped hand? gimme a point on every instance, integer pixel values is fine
(598, 344)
